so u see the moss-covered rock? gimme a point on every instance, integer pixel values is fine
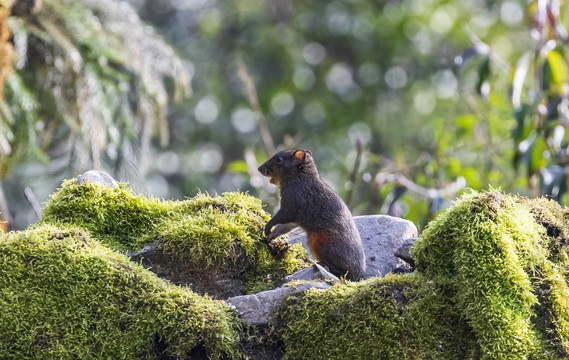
(494, 252)
(64, 295)
(394, 317)
(490, 283)
(207, 233)
(117, 217)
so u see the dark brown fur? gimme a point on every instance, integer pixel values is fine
(333, 238)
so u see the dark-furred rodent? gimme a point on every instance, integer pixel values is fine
(306, 200)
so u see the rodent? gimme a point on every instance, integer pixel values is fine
(333, 238)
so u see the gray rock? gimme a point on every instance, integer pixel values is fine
(381, 236)
(404, 251)
(256, 309)
(98, 176)
(307, 274)
(280, 229)
(180, 270)
(315, 272)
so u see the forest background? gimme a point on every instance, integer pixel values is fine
(404, 104)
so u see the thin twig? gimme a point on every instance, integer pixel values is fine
(484, 48)
(253, 99)
(354, 174)
(4, 208)
(33, 201)
(432, 193)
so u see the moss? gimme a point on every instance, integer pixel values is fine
(494, 252)
(551, 286)
(69, 297)
(212, 231)
(395, 317)
(491, 283)
(486, 248)
(554, 218)
(117, 217)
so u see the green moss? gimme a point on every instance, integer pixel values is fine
(554, 218)
(395, 317)
(491, 283)
(551, 286)
(117, 217)
(486, 248)
(207, 227)
(65, 296)
(495, 253)
(211, 231)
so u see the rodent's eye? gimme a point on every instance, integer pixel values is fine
(279, 159)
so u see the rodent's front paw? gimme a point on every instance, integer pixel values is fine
(278, 247)
(270, 236)
(267, 231)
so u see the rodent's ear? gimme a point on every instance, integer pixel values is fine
(299, 157)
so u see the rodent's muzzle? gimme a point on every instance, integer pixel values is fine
(264, 170)
(267, 171)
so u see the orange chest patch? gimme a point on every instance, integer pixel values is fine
(317, 241)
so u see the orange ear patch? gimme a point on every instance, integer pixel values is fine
(299, 156)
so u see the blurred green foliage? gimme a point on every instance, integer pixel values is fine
(399, 77)
(90, 90)
(78, 89)
(428, 98)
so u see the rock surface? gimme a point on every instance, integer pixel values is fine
(98, 176)
(316, 272)
(381, 236)
(217, 283)
(256, 309)
(404, 251)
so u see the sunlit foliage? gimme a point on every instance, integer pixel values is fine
(398, 76)
(91, 87)
(434, 91)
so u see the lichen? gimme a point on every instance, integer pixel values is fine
(66, 296)
(490, 283)
(205, 228)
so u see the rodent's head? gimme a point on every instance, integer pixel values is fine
(288, 163)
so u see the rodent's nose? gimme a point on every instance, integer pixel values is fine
(263, 169)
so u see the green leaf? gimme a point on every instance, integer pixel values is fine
(483, 74)
(557, 68)
(466, 122)
(546, 76)
(454, 166)
(519, 79)
(523, 125)
(238, 166)
(472, 177)
(536, 161)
